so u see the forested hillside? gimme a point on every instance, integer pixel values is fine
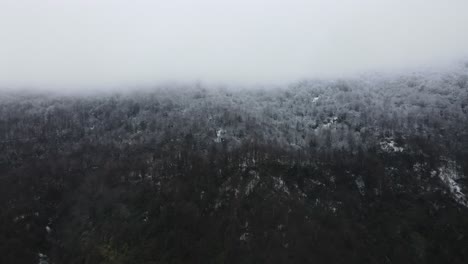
(362, 170)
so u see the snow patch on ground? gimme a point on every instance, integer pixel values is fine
(218, 205)
(19, 218)
(43, 259)
(316, 182)
(280, 185)
(449, 176)
(251, 185)
(220, 135)
(389, 145)
(244, 237)
(330, 122)
(145, 216)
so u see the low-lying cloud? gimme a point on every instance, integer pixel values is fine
(115, 42)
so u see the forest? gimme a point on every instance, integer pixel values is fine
(370, 169)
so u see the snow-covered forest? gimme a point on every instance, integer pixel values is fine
(371, 169)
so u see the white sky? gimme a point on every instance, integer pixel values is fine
(115, 42)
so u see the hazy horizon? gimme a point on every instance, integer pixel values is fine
(54, 44)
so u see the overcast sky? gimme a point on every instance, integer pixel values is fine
(115, 42)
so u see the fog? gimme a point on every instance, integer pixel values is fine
(65, 44)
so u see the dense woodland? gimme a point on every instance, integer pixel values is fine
(371, 169)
